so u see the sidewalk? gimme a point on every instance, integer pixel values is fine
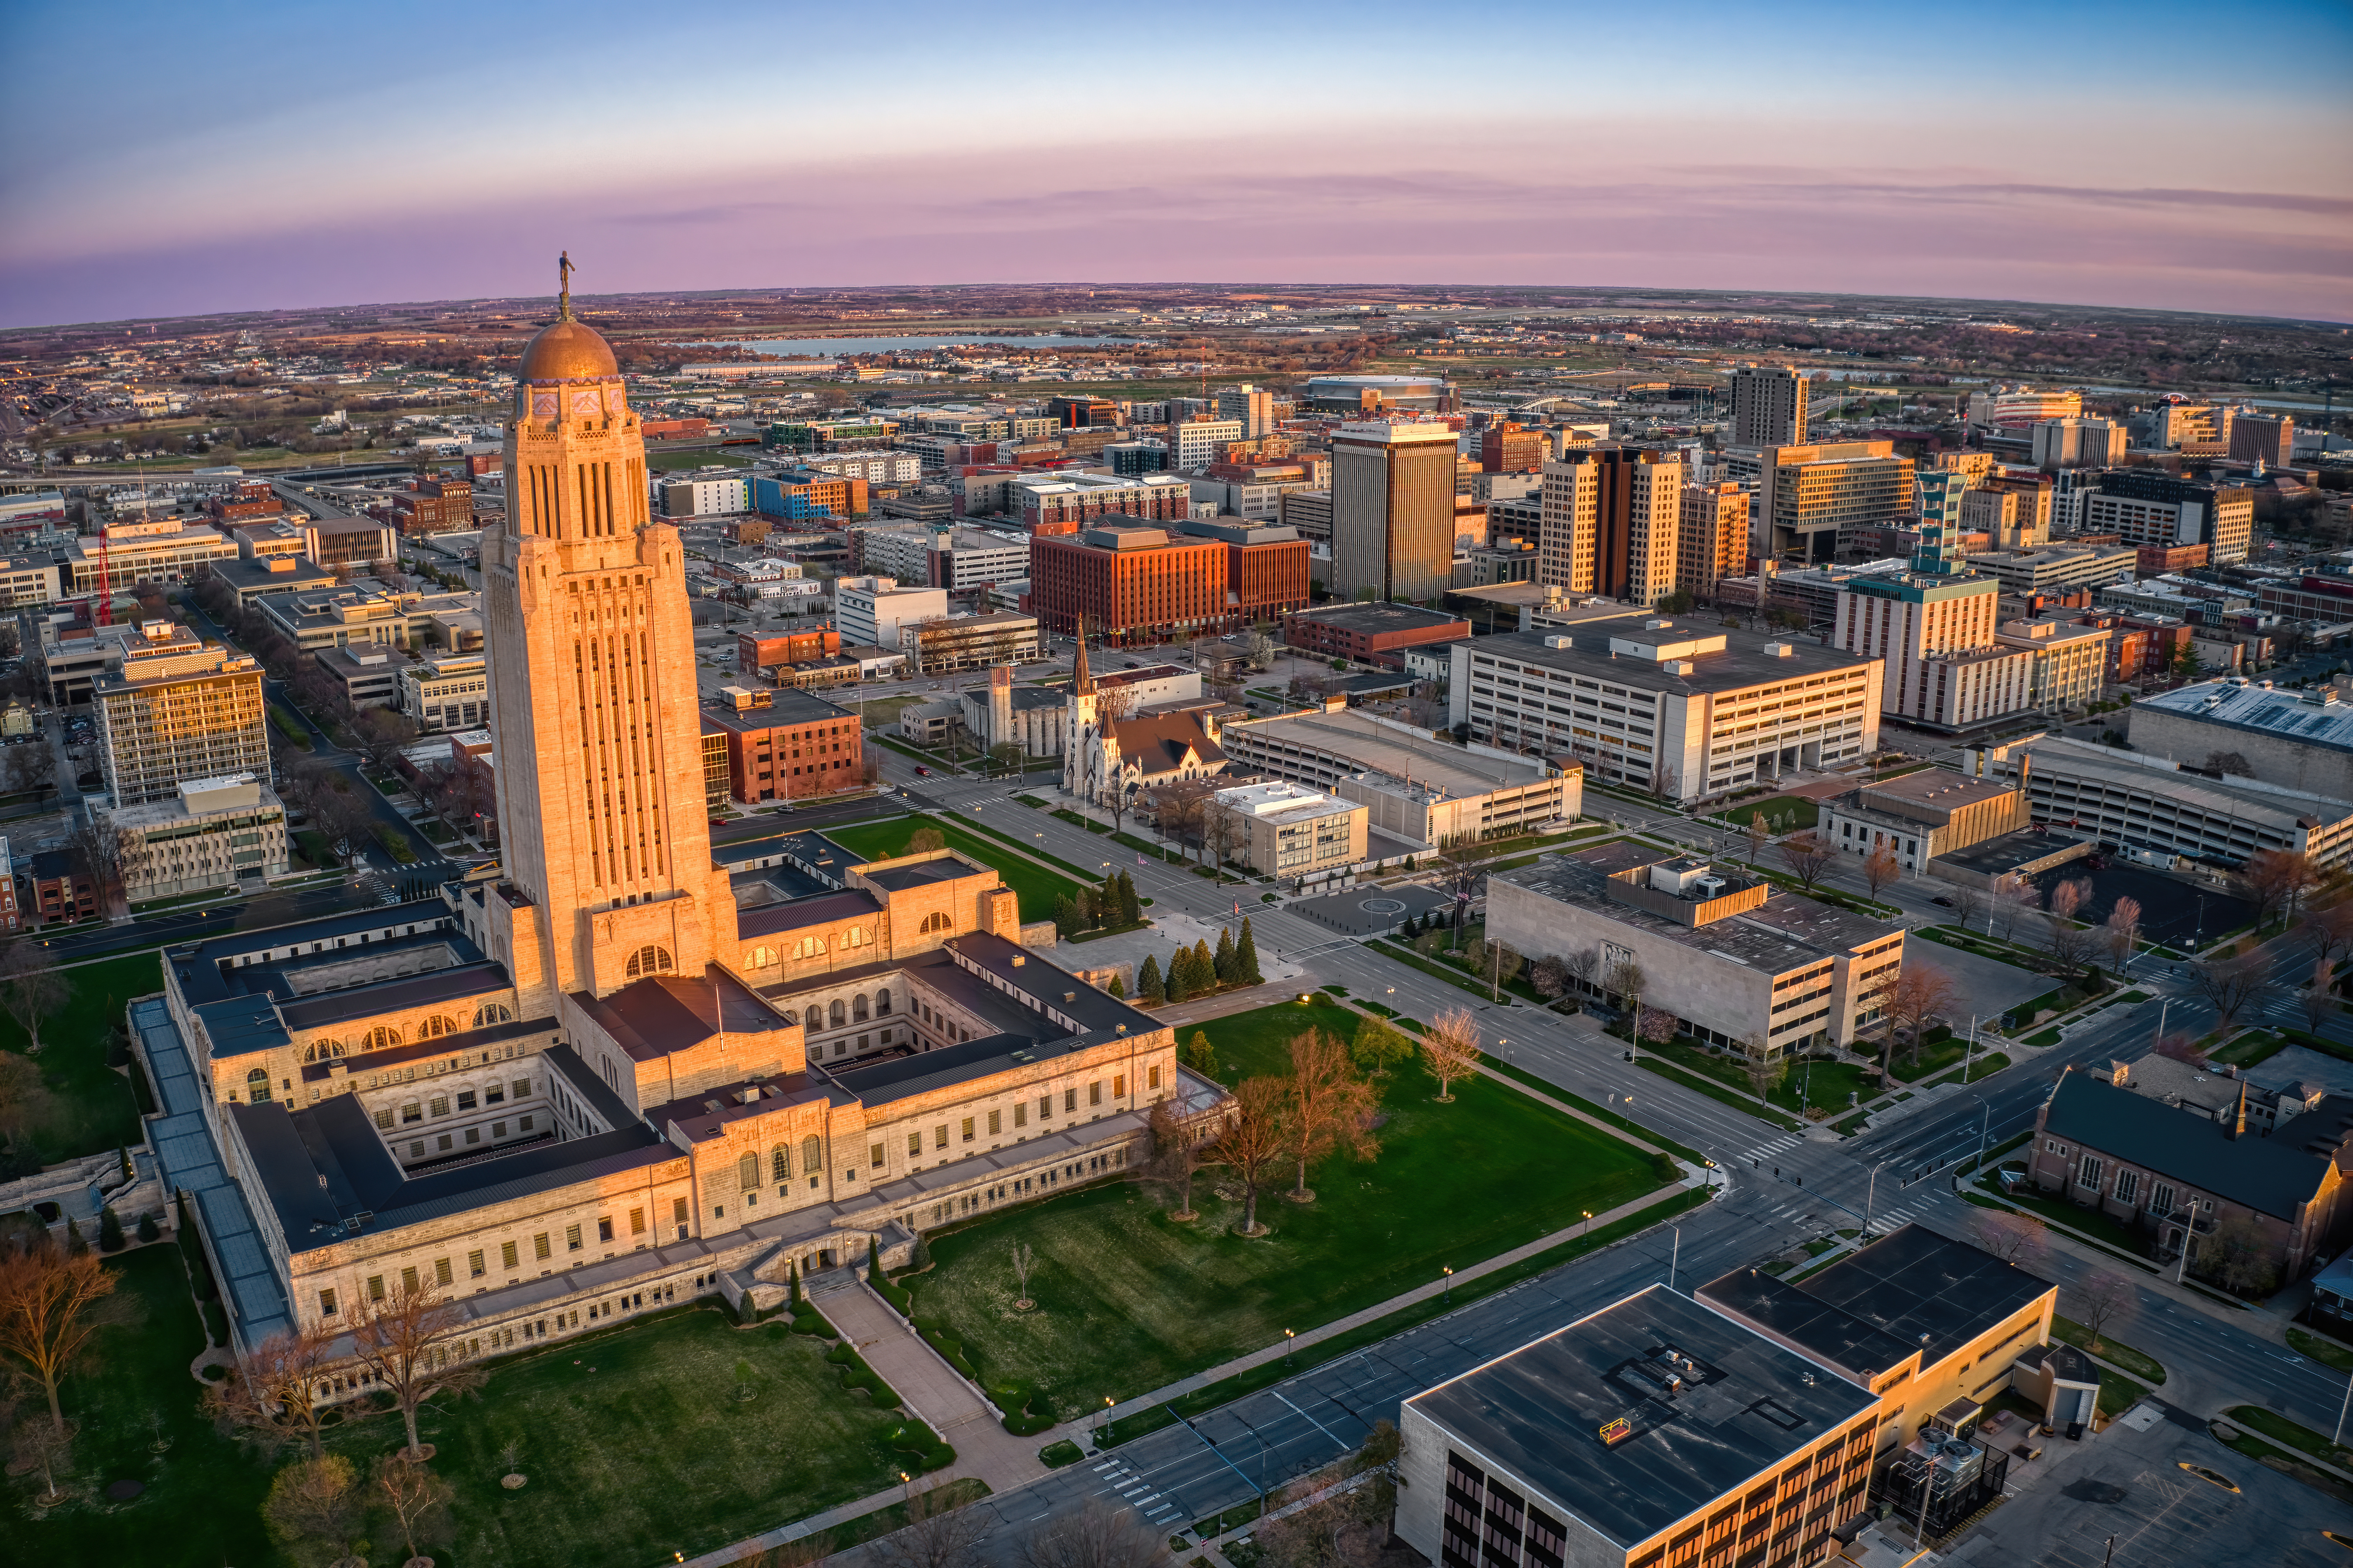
(935, 1391)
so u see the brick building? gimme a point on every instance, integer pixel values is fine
(1064, 504)
(1509, 448)
(61, 892)
(786, 745)
(437, 506)
(1369, 634)
(1135, 581)
(1266, 565)
(763, 655)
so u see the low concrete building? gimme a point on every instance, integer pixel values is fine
(1739, 964)
(2056, 568)
(250, 577)
(336, 617)
(2297, 739)
(1288, 831)
(1369, 634)
(969, 642)
(369, 675)
(216, 833)
(451, 692)
(1922, 816)
(2071, 661)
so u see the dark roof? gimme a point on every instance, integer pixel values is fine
(649, 1018)
(201, 967)
(1536, 1414)
(945, 868)
(961, 1063)
(1925, 1289)
(799, 914)
(460, 984)
(1743, 663)
(1788, 1311)
(1368, 620)
(788, 706)
(2274, 1175)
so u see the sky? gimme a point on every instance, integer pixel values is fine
(157, 160)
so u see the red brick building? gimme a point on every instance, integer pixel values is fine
(60, 893)
(787, 744)
(1509, 448)
(1369, 634)
(245, 503)
(2152, 560)
(437, 506)
(675, 429)
(1139, 582)
(1266, 566)
(760, 655)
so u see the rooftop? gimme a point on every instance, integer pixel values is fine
(2305, 718)
(1429, 768)
(2129, 772)
(1923, 1289)
(2274, 1175)
(1367, 620)
(1712, 1404)
(1739, 663)
(787, 706)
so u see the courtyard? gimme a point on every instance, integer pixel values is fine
(1036, 887)
(1128, 1299)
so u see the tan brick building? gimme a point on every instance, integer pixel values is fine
(595, 1082)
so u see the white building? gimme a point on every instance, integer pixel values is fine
(451, 692)
(705, 497)
(874, 467)
(870, 612)
(1194, 444)
(213, 833)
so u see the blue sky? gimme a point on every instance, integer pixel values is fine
(160, 160)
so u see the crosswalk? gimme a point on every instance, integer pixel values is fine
(1772, 1146)
(1132, 1488)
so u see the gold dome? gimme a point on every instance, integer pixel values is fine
(567, 350)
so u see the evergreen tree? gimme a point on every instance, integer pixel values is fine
(1201, 1056)
(920, 1258)
(1118, 988)
(1223, 964)
(1246, 958)
(1180, 969)
(75, 1243)
(148, 1229)
(1066, 913)
(123, 1154)
(1130, 906)
(1150, 989)
(1205, 968)
(110, 1230)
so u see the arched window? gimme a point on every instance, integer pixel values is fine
(435, 1028)
(857, 936)
(858, 1009)
(932, 922)
(810, 947)
(383, 1037)
(792, 1015)
(257, 1086)
(835, 1013)
(491, 1013)
(883, 1004)
(761, 958)
(812, 1155)
(780, 1165)
(747, 1172)
(650, 959)
(323, 1050)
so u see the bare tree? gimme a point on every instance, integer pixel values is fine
(2123, 935)
(2016, 1238)
(2240, 1255)
(1758, 831)
(1221, 831)
(407, 1339)
(1807, 854)
(1097, 1535)
(45, 1321)
(273, 1390)
(1024, 1260)
(1459, 855)
(1255, 1141)
(31, 989)
(2100, 1299)
(2319, 1005)
(2231, 984)
(941, 1531)
(1967, 904)
(1180, 1150)
(1332, 1109)
(2275, 880)
(418, 1500)
(1922, 994)
(1449, 1048)
(1627, 981)
(2011, 895)
(44, 1447)
(1881, 867)
(1584, 964)
(1767, 1069)
(96, 849)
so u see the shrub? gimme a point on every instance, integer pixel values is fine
(938, 1458)
(110, 1230)
(1664, 1166)
(148, 1229)
(809, 1321)
(216, 1322)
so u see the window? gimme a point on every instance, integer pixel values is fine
(678, 1211)
(637, 1221)
(604, 1230)
(441, 1106)
(2087, 1172)
(257, 1086)
(810, 947)
(761, 958)
(780, 1165)
(507, 1255)
(1020, 1113)
(874, 1155)
(995, 1122)
(383, 1118)
(940, 1136)
(442, 1144)
(571, 1238)
(522, 1088)
(1119, 1086)
(376, 1287)
(934, 921)
(383, 1037)
(1045, 1108)
(524, 1125)
(495, 1094)
(967, 1130)
(1070, 1101)
(465, 1100)
(858, 1013)
(883, 1004)
(540, 1249)
(326, 1303)
(442, 1272)
(812, 1155)
(836, 1016)
(914, 1144)
(436, 1027)
(1094, 1093)
(474, 1268)
(2160, 1198)
(492, 1013)
(747, 1172)
(1152, 1081)
(650, 959)
(2128, 1187)
(408, 1281)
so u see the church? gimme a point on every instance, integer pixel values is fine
(593, 1083)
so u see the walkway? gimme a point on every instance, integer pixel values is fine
(934, 1390)
(182, 1141)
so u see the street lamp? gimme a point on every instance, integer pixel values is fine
(1870, 1196)
(1290, 1339)
(1449, 1292)
(1588, 1224)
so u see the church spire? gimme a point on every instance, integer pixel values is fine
(1082, 683)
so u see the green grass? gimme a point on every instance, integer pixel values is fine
(1038, 888)
(1131, 1301)
(1061, 1452)
(2099, 1226)
(1935, 1055)
(1450, 973)
(83, 1106)
(1032, 849)
(1803, 813)
(1824, 1084)
(2118, 1392)
(2280, 1429)
(2138, 1363)
(2047, 1037)
(1031, 800)
(2251, 1048)
(394, 843)
(289, 726)
(1983, 1066)
(2321, 1347)
(1600, 1113)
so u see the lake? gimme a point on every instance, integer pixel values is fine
(820, 347)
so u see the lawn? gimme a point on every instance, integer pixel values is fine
(635, 1442)
(1130, 1301)
(2141, 1364)
(2280, 1429)
(1935, 1055)
(83, 1106)
(1783, 813)
(2090, 1222)
(1824, 1084)
(1739, 1099)
(1037, 887)
(2320, 1348)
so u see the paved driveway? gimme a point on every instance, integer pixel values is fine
(1986, 987)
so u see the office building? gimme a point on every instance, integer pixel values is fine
(1251, 407)
(1309, 511)
(2016, 408)
(2077, 443)
(2158, 812)
(1508, 449)
(1392, 510)
(1769, 406)
(2202, 428)
(172, 712)
(1198, 442)
(1808, 493)
(251, 578)
(2143, 506)
(1612, 523)
(209, 833)
(2179, 1173)
(1669, 706)
(1739, 962)
(1419, 791)
(1932, 631)
(2268, 439)
(706, 497)
(366, 674)
(2056, 568)
(1065, 502)
(1131, 459)
(874, 467)
(870, 612)
(2296, 739)
(1266, 566)
(1288, 831)
(1937, 495)
(2071, 661)
(1129, 580)
(825, 501)
(1922, 816)
(123, 555)
(969, 642)
(1654, 1433)
(1712, 536)
(785, 744)
(1369, 634)
(451, 692)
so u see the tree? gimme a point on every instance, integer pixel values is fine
(1180, 966)
(2231, 984)
(940, 1532)
(1807, 854)
(1179, 1150)
(1584, 964)
(2100, 1299)
(2330, 929)
(96, 850)
(1459, 855)
(1204, 971)
(1627, 981)
(407, 1338)
(927, 840)
(1246, 970)
(1025, 1259)
(2237, 1253)
(1656, 1025)
(1967, 904)
(46, 1318)
(30, 989)
(1005, 754)
(315, 1508)
(2123, 932)
(1881, 867)
(1920, 993)
(1377, 1046)
(1499, 963)
(2276, 879)
(1758, 831)
(1150, 989)
(1200, 1054)
(1767, 1072)
(39, 1446)
(380, 733)
(2011, 895)
(2016, 1238)
(2319, 1005)
(1131, 908)
(1222, 964)
(1550, 976)
(418, 1500)
(2228, 762)
(1096, 1536)
(1254, 1141)
(1332, 1109)
(110, 1230)
(1449, 1048)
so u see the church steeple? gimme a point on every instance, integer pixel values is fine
(1082, 683)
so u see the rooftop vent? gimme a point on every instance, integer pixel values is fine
(1780, 649)
(1657, 625)
(1020, 959)
(1560, 642)
(1069, 996)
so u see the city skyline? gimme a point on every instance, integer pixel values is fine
(1819, 148)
